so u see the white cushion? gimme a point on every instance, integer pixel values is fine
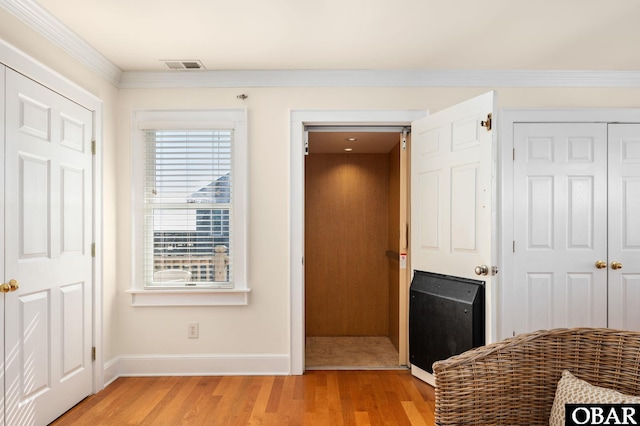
(572, 390)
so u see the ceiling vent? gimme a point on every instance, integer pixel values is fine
(189, 65)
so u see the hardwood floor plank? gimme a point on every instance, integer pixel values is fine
(262, 400)
(173, 405)
(318, 397)
(292, 401)
(309, 392)
(234, 400)
(275, 395)
(362, 418)
(199, 401)
(150, 406)
(355, 391)
(112, 409)
(415, 417)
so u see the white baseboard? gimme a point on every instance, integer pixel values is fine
(196, 365)
(110, 371)
(425, 376)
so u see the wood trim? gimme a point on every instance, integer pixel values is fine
(393, 244)
(405, 275)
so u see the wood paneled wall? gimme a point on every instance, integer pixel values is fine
(346, 235)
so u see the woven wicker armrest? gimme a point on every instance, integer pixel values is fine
(513, 382)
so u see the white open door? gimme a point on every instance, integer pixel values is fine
(48, 231)
(452, 196)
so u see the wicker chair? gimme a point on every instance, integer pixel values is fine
(513, 382)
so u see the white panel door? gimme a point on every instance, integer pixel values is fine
(624, 226)
(452, 197)
(451, 190)
(48, 193)
(2, 236)
(560, 222)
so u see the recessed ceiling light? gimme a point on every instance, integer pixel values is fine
(348, 149)
(351, 139)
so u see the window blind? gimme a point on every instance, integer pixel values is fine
(188, 214)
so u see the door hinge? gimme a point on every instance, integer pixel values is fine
(93, 147)
(513, 156)
(514, 246)
(93, 353)
(405, 132)
(93, 249)
(487, 123)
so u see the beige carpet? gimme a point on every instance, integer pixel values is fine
(350, 352)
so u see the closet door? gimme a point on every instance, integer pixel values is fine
(624, 226)
(2, 206)
(560, 225)
(48, 224)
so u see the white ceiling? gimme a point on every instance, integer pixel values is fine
(359, 34)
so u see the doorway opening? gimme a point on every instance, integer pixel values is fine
(352, 222)
(301, 120)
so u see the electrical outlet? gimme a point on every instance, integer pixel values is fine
(193, 330)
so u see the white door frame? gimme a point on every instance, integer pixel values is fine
(299, 119)
(22, 63)
(508, 118)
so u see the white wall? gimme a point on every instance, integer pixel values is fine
(262, 327)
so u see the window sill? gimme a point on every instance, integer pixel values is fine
(190, 297)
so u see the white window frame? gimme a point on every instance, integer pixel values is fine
(234, 119)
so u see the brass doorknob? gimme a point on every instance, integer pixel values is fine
(601, 264)
(12, 285)
(616, 265)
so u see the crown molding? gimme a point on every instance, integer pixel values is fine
(378, 78)
(32, 14)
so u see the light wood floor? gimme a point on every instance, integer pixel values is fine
(326, 398)
(358, 352)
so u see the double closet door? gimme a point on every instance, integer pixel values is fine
(576, 244)
(46, 265)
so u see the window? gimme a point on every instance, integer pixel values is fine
(190, 207)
